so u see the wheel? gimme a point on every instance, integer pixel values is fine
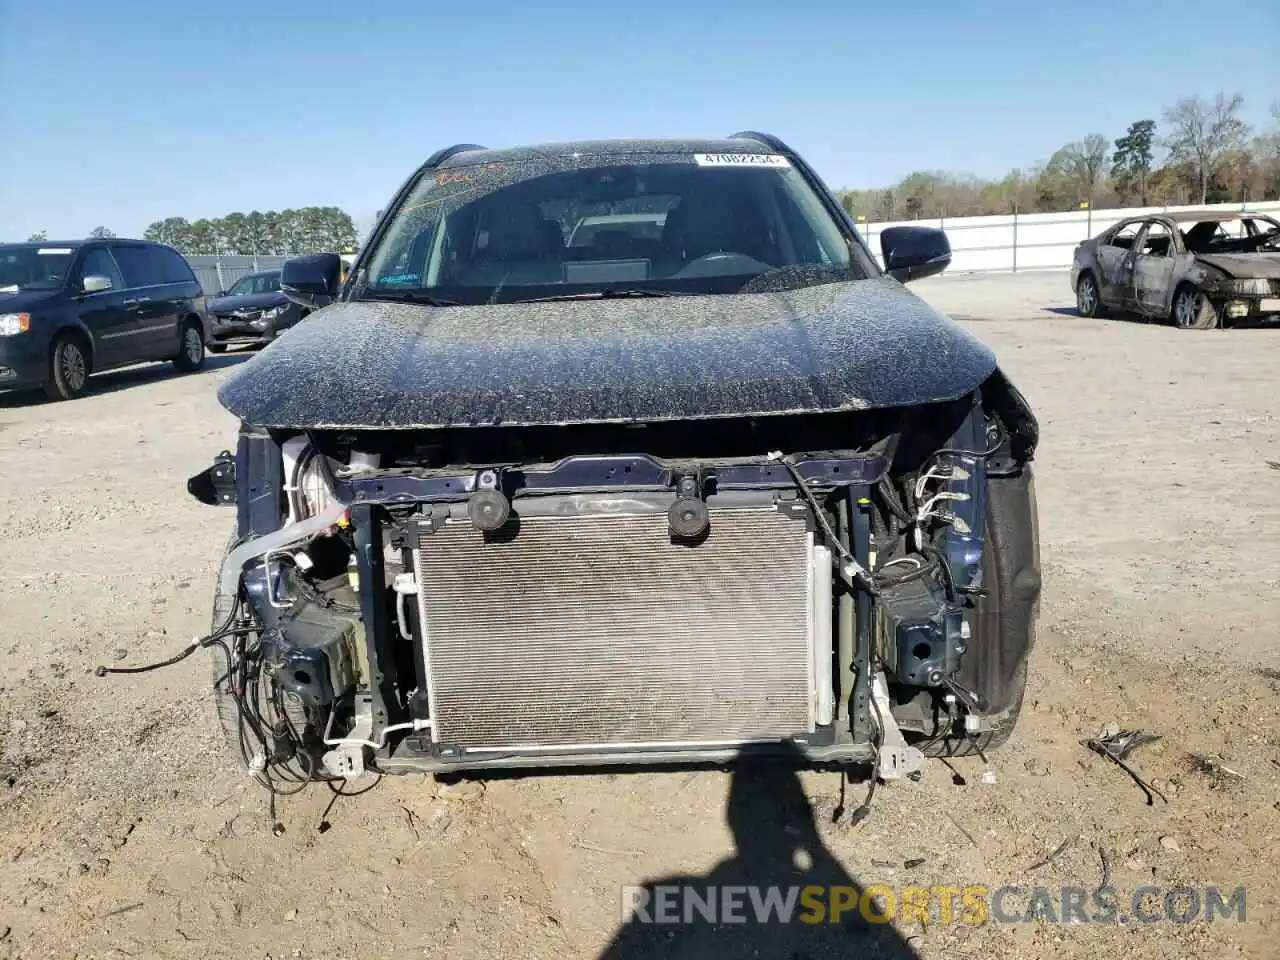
(217, 348)
(68, 368)
(1088, 299)
(1192, 310)
(191, 357)
(1004, 620)
(239, 743)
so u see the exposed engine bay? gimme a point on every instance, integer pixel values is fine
(860, 586)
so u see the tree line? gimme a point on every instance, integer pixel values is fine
(283, 233)
(1203, 153)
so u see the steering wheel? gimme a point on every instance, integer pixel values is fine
(720, 263)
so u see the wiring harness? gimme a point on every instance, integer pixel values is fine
(276, 753)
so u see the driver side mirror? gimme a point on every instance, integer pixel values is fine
(912, 253)
(313, 280)
(95, 283)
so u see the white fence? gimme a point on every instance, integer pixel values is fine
(1032, 241)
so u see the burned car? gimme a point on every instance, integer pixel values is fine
(503, 502)
(1224, 266)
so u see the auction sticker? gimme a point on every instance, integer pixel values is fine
(52, 251)
(741, 160)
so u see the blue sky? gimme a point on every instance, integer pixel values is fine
(126, 112)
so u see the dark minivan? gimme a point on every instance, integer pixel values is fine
(68, 310)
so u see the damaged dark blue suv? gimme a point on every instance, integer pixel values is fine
(700, 481)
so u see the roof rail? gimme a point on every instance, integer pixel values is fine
(440, 156)
(768, 139)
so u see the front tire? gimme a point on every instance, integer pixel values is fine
(190, 357)
(1088, 297)
(1192, 310)
(68, 369)
(1004, 621)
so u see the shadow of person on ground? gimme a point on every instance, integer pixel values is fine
(777, 847)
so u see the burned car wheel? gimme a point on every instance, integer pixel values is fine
(1088, 299)
(1192, 310)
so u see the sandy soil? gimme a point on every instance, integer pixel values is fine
(124, 834)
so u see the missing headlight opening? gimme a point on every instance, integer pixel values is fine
(622, 529)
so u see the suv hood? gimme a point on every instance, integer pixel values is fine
(248, 301)
(1244, 266)
(840, 346)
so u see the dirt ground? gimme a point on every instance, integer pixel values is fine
(123, 832)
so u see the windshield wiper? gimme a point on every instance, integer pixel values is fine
(411, 296)
(606, 295)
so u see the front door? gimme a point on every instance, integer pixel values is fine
(1115, 263)
(110, 323)
(1153, 270)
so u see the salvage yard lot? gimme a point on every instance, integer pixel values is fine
(125, 834)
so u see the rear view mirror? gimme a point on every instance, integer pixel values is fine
(313, 280)
(912, 253)
(96, 284)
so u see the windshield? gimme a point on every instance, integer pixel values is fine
(32, 267)
(255, 283)
(630, 224)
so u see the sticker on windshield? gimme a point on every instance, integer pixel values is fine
(741, 160)
(53, 250)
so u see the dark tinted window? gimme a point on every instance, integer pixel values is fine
(256, 283)
(140, 268)
(33, 267)
(174, 267)
(99, 263)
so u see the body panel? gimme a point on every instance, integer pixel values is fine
(852, 345)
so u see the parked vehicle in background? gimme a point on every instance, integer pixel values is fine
(253, 312)
(1225, 266)
(69, 310)
(506, 502)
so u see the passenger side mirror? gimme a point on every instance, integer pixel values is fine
(313, 280)
(95, 283)
(912, 253)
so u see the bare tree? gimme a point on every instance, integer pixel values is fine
(1203, 133)
(1084, 161)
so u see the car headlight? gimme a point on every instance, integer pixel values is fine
(272, 313)
(12, 324)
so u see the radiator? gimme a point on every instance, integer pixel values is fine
(595, 630)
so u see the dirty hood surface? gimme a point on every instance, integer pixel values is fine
(841, 346)
(1245, 266)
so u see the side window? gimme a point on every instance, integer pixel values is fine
(140, 270)
(99, 263)
(1158, 241)
(1125, 236)
(174, 267)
